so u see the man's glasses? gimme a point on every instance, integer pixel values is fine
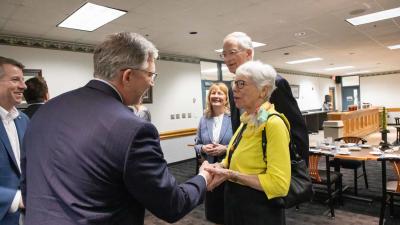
(238, 83)
(229, 53)
(150, 74)
(153, 75)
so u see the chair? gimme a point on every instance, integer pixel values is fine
(325, 177)
(397, 126)
(389, 187)
(352, 164)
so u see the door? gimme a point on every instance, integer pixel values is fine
(350, 96)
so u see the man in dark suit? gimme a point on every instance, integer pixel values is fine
(238, 49)
(12, 127)
(92, 161)
(36, 94)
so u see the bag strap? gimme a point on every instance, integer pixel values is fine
(235, 143)
(293, 153)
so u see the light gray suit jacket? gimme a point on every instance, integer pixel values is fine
(205, 136)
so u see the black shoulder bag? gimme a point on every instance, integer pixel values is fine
(300, 189)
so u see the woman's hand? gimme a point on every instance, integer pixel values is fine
(208, 149)
(217, 150)
(220, 175)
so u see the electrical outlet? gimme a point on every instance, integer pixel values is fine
(183, 115)
(177, 116)
(189, 115)
(172, 116)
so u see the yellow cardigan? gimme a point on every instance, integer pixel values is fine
(274, 176)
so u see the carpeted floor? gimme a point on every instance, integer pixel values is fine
(352, 212)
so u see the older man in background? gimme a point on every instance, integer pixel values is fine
(92, 161)
(238, 49)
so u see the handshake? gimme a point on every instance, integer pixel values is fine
(216, 174)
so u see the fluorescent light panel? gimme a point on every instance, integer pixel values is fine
(339, 68)
(255, 45)
(392, 47)
(304, 60)
(90, 17)
(373, 17)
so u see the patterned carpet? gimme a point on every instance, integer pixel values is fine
(352, 212)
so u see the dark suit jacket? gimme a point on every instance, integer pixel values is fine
(205, 136)
(92, 161)
(9, 172)
(285, 103)
(31, 109)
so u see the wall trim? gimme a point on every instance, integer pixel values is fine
(177, 133)
(393, 109)
(379, 73)
(293, 72)
(45, 43)
(76, 47)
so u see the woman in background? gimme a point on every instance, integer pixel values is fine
(213, 136)
(141, 111)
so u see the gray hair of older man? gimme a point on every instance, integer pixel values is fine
(261, 74)
(4, 60)
(243, 40)
(120, 51)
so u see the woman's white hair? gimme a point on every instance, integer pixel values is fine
(261, 74)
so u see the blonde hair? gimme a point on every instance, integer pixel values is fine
(208, 112)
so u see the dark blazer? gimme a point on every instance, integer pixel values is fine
(92, 161)
(9, 172)
(205, 136)
(285, 103)
(31, 109)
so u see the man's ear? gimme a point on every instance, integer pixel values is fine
(249, 53)
(126, 77)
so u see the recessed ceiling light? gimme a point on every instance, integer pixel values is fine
(299, 34)
(357, 72)
(304, 60)
(373, 17)
(255, 45)
(90, 16)
(339, 68)
(392, 47)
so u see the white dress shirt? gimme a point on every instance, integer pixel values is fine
(217, 127)
(7, 118)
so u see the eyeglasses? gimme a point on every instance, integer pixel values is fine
(238, 83)
(152, 75)
(230, 52)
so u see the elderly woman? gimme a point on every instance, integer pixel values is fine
(254, 181)
(213, 136)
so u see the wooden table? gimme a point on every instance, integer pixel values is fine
(363, 154)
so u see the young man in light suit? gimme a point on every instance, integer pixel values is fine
(12, 127)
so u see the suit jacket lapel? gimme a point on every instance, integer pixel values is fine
(224, 128)
(6, 143)
(209, 123)
(20, 129)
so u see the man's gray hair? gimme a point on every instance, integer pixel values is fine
(243, 40)
(4, 60)
(120, 51)
(261, 74)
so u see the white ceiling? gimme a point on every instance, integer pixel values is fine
(274, 22)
